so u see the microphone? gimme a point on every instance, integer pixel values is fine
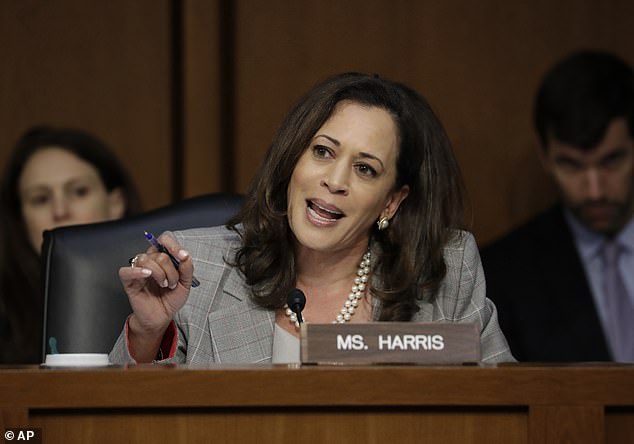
(296, 302)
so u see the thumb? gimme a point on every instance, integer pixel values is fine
(186, 268)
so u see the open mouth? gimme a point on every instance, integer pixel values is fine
(323, 213)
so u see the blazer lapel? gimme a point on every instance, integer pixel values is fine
(241, 331)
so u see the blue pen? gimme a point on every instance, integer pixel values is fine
(161, 248)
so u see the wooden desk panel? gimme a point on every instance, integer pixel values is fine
(285, 425)
(261, 404)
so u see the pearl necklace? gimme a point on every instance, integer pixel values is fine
(352, 302)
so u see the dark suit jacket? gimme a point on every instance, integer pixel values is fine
(536, 279)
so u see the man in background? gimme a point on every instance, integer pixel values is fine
(563, 283)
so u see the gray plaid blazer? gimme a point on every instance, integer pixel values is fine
(220, 324)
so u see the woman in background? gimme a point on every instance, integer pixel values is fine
(54, 177)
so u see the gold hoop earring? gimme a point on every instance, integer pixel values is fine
(383, 223)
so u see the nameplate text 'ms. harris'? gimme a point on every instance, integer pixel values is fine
(390, 342)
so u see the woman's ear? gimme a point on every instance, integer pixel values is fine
(395, 201)
(116, 204)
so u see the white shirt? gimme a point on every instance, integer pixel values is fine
(285, 347)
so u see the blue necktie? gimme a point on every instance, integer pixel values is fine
(619, 327)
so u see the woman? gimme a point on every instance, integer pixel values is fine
(54, 177)
(360, 200)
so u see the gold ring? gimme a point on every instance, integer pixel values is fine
(134, 260)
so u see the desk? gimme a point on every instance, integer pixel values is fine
(514, 403)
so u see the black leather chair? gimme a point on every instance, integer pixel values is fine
(85, 305)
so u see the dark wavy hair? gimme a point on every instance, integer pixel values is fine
(21, 305)
(409, 260)
(581, 95)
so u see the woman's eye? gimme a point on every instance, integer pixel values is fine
(321, 151)
(81, 191)
(366, 170)
(40, 199)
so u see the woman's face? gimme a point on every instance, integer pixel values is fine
(344, 181)
(58, 188)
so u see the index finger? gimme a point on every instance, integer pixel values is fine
(169, 242)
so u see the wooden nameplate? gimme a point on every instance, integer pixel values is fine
(390, 342)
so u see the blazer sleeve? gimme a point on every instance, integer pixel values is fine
(120, 353)
(464, 296)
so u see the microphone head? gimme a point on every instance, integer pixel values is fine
(296, 300)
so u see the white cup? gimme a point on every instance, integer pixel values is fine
(77, 360)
